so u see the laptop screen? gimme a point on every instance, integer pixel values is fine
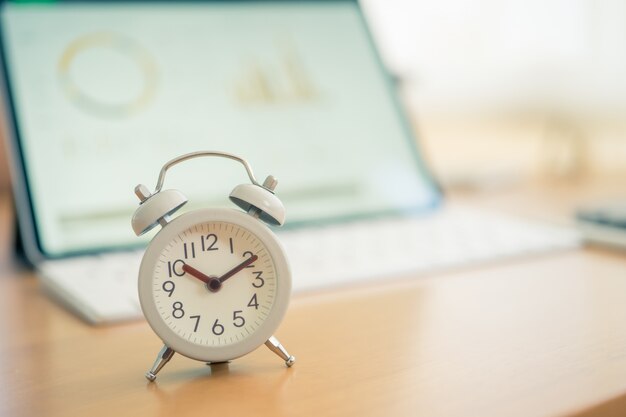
(104, 93)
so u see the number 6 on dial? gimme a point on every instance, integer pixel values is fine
(214, 283)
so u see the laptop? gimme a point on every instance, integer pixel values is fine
(98, 95)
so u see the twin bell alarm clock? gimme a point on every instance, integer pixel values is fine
(214, 283)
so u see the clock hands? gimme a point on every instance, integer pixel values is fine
(196, 274)
(214, 283)
(238, 268)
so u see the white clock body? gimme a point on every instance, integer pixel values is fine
(248, 307)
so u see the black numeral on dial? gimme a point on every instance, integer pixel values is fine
(208, 242)
(217, 328)
(168, 287)
(189, 250)
(175, 268)
(238, 320)
(178, 312)
(197, 319)
(258, 280)
(248, 254)
(253, 302)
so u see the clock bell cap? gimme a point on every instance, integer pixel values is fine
(250, 195)
(155, 207)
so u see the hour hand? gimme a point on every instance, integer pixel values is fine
(196, 274)
(212, 283)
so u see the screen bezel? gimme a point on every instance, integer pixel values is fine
(25, 211)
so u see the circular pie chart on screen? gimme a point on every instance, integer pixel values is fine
(108, 75)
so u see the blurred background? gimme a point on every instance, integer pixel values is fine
(526, 88)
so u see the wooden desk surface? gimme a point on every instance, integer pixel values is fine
(543, 336)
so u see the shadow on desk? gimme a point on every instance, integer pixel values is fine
(227, 392)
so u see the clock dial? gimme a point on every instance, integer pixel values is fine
(214, 284)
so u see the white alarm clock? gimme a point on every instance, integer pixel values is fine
(214, 283)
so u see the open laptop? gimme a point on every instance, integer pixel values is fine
(98, 95)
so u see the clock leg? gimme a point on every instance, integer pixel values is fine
(163, 357)
(274, 345)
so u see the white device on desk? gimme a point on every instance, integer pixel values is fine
(275, 79)
(604, 224)
(214, 283)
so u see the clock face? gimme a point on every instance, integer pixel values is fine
(214, 283)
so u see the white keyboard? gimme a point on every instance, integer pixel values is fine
(103, 288)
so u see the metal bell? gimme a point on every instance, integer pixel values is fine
(252, 196)
(154, 208)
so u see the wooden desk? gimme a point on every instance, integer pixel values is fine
(545, 336)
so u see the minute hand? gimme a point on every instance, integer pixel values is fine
(238, 268)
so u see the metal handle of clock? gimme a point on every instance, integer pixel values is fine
(199, 154)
